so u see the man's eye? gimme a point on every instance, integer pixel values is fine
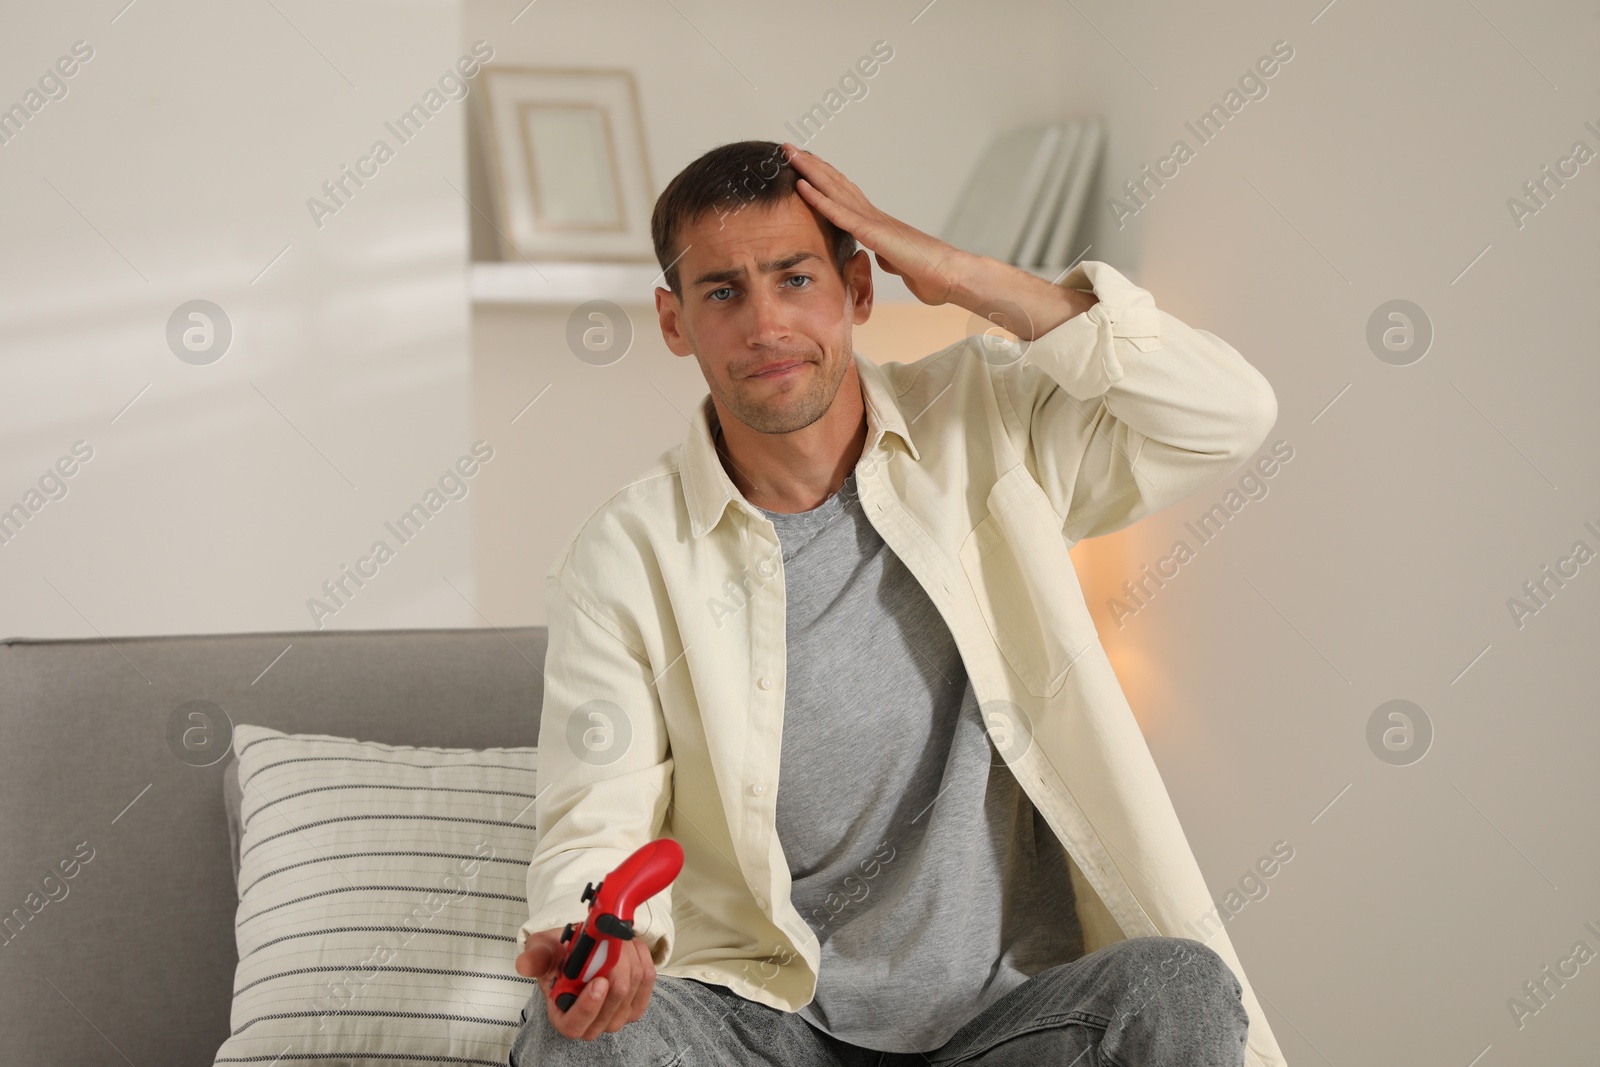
(712, 295)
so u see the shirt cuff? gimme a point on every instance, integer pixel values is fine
(1079, 354)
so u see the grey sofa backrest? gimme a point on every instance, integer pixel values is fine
(116, 887)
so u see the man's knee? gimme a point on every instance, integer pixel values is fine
(1181, 1004)
(1184, 960)
(1208, 968)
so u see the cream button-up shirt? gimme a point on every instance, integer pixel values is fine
(983, 463)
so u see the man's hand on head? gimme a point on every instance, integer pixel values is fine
(935, 271)
(930, 267)
(606, 1004)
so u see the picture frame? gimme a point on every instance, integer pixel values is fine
(568, 169)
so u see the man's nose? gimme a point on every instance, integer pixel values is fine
(769, 322)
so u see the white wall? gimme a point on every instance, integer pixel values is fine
(178, 166)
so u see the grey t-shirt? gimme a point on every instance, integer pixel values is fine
(933, 885)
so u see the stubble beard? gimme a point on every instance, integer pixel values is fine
(786, 410)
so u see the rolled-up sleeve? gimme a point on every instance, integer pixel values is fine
(1127, 409)
(605, 767)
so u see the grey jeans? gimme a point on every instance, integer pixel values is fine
(1139, 1002)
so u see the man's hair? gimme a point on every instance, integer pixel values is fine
(726, 180)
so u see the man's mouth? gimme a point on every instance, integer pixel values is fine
(779, 369)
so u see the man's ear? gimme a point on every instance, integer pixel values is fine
(858, 284)
(669, 311)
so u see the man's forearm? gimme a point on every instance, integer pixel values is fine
(996, 289)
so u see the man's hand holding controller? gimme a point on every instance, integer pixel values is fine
(596, 976)
(610, 1002)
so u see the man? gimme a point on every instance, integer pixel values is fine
(833, 645)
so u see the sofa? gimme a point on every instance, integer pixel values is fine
(117, 876)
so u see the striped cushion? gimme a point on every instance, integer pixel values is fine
(380, 892)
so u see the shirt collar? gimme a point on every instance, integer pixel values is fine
(706, 486)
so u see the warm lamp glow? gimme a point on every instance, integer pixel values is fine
(1102, 562)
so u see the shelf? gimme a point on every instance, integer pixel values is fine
(564, 284)
(570, 284)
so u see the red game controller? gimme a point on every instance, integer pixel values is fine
(594, 950)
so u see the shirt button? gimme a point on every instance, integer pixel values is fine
(708, 974)
(761, 902)
(766, 682)
(758, 789)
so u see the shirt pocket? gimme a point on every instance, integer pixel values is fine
(1016, 561)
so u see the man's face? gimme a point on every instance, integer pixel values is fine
(759, 292)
